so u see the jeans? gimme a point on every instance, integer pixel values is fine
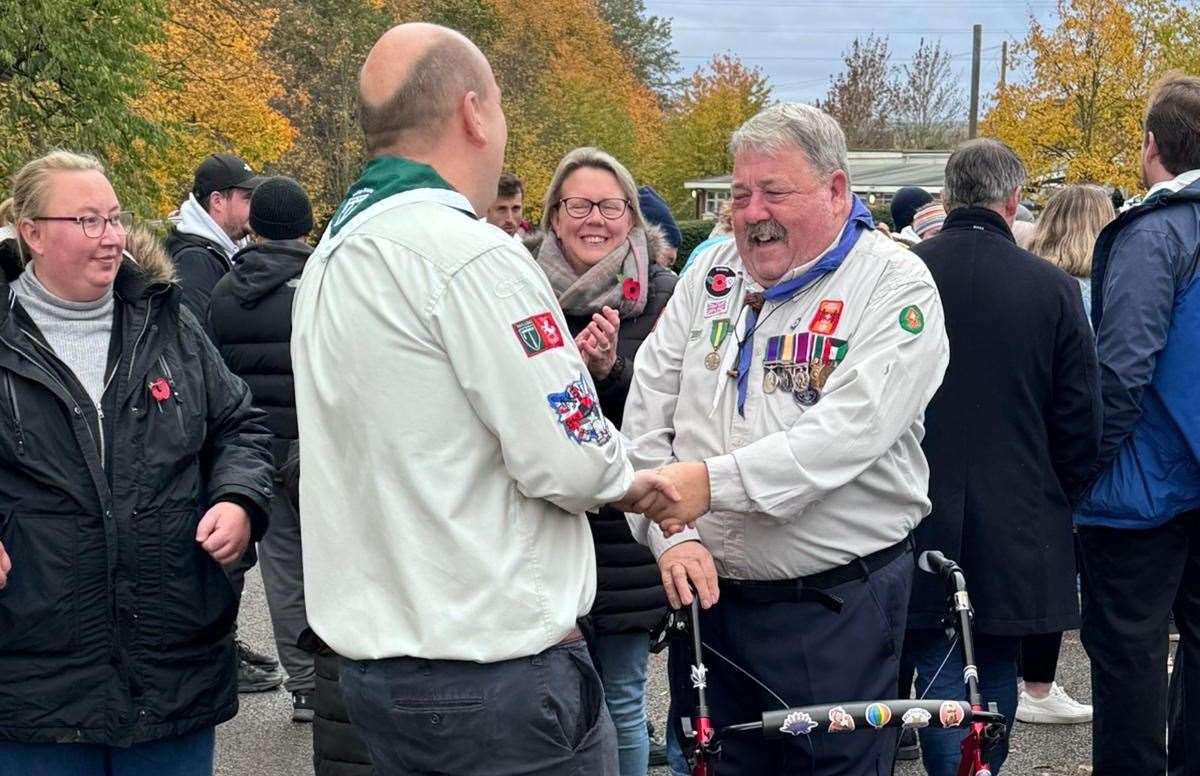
(542, 715)
(675, 759)
(621, 661)
(1132, 581)
(187, 755)
(996, 658)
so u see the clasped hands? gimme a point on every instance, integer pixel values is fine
(673, 496)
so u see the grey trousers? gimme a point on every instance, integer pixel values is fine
(279, 559)
(542, 715)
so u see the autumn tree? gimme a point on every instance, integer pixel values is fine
(861, 95)
(646, 42)
(212, 92)
(928, 103)
(566, 84)
(715, 101)
(1078, 114)
(69, 72)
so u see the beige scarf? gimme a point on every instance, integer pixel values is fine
(619, 280)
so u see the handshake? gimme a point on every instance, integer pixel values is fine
(673, 496)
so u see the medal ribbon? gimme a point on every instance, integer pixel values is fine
(860, 219)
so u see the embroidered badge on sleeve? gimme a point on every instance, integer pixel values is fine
(912, 319)
(538, 333)
(578, 412)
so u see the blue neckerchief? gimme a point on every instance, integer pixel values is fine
(860, 219)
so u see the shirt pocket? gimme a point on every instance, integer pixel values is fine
(39, 603)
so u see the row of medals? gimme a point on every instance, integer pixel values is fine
(803, 380)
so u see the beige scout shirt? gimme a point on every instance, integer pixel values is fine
(450, 441)
(797, 487)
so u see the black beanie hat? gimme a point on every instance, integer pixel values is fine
(905, 204)
(280, 210)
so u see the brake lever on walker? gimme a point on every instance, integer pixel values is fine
(674, 624)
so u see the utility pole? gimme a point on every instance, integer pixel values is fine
(1003, 64)
(973, 124)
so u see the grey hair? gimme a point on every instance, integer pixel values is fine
(982, 173)
(794, 124)
(600, 160)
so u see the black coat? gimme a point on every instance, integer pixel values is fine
(115, 626)
(1012, 432)
(250, 320)
(199, 264)
(338, 749)
(629, 594)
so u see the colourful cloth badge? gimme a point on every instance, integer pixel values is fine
(538, 333)
(912, 319)
(578, 412)
(719, 281)
(826, 318)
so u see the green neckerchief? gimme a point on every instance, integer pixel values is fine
(383, 177)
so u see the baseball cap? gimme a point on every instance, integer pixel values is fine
(223, 171)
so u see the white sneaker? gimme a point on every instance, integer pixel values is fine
(1057, 708)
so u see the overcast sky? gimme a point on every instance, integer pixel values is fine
(798, 43)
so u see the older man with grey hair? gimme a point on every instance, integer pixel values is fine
(1010, 438)
(783, 392)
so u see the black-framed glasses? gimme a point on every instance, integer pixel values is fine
(581, 207)
(93, 226)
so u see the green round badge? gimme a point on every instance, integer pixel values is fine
(911, 319)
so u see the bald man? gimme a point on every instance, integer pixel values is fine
(451, 442)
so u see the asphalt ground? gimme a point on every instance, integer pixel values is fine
(263, 741)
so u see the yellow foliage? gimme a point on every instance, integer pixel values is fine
(1079, 115)
(567, 85)
(214, 92)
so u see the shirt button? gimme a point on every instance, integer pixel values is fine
(435, 718)
(78, 411)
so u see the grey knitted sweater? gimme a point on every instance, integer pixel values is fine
(79, 332)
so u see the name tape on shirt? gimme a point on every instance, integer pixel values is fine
(537, 334)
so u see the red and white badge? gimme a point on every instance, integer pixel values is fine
(825, 320)
(538, 333)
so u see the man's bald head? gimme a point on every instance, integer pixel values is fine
(413, 81)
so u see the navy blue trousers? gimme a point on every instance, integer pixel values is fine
(806, 653)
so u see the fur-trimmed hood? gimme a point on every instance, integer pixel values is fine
(656, 242)
(145, 264)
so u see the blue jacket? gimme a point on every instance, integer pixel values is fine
(1146, 312)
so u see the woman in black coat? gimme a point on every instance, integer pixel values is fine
(600, 257)
(132, 468)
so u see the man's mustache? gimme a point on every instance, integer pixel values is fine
(765, 230)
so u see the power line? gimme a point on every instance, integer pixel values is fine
(781, 58)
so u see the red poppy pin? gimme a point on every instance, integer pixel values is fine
(631, 289)
(160, 390)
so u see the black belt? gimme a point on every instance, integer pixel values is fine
(813, 586)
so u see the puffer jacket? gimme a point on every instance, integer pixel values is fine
(629, 593)
(250, 320)
(115, 626)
